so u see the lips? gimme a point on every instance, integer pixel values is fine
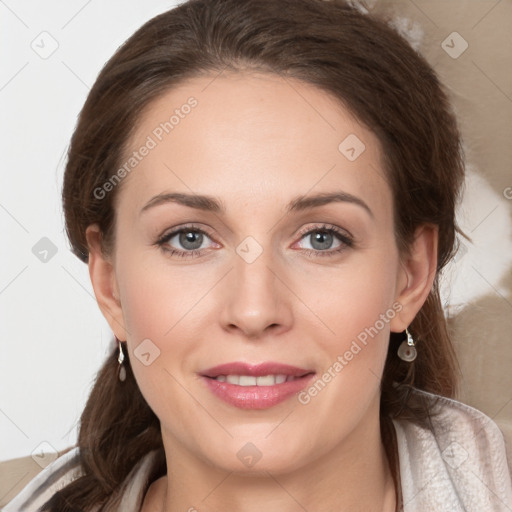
(256, 370)
(257, 386)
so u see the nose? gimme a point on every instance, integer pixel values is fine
(257, 301)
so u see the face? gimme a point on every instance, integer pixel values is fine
(287, 270)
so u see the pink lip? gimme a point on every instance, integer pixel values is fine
(255, 370)
(256, 397)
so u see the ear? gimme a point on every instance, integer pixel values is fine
(104, 283)
(416, 276)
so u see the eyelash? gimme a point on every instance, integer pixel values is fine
(346, 240)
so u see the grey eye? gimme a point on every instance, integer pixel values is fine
(321, 240)
(190, 239)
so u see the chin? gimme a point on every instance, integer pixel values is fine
(253, 457)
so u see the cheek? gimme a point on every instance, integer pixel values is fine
(157, 298)
(354, 307)
(351, 299)
(165, 311)
(158, 309)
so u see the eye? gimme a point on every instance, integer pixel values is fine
(326, 241)
(184, 242)
(191, 241)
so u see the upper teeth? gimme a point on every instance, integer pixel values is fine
(249, 380)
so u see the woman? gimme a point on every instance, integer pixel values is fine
(264, 193)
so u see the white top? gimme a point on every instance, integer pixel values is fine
(459, 465)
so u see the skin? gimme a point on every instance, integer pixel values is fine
(257, 141)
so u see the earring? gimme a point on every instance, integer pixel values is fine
(121, 372)
(407, 351)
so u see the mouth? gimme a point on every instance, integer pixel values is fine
(250, 380)
(258, 386)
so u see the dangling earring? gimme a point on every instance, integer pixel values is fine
(121, 372)
(407, 350)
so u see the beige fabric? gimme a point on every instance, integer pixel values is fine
(14, 475)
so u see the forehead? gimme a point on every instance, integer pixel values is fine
(255, 134)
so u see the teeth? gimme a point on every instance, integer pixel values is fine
(246, 380)
(267, 380)
(249, 380)
(233, 379)
(282, 378)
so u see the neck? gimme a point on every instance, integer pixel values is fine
(353, 476)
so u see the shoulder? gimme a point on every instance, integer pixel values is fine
(51, 479)
(459, 463)
(65, 470)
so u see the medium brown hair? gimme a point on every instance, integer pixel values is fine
(355, 57)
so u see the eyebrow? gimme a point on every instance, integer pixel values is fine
(212, 204)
